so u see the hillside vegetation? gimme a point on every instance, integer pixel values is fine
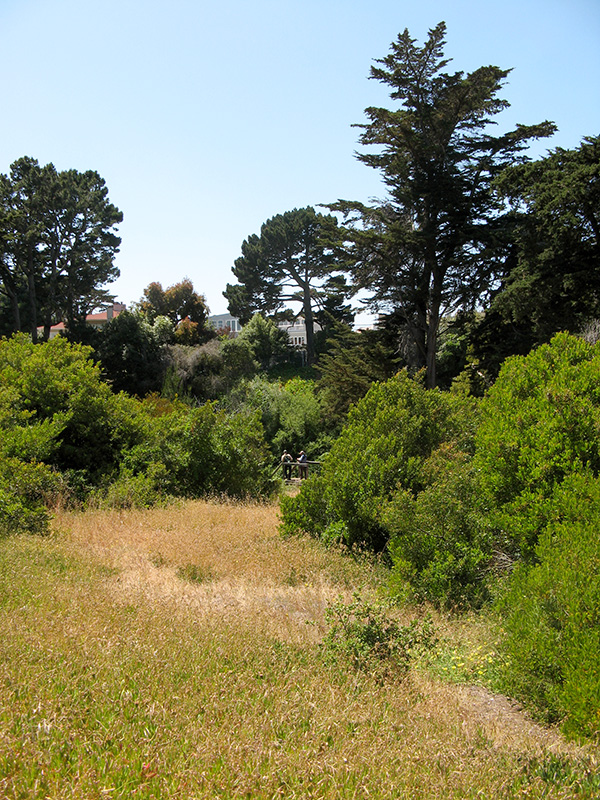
(485, 502)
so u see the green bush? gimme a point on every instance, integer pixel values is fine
(552, 613)
(25, 488)
(58, 401)
(539, 424)
(439, 538)
(194, 452)
(387, 440)
(58, 418)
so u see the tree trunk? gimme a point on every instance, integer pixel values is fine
(11, 292)
(309, 323)
(32, 299)
(433, 324)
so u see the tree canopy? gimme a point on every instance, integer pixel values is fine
(434, 244)
(57, 246)
(555, 282)
(293, 260)
(182, 305)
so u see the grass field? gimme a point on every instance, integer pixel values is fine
(174, 653)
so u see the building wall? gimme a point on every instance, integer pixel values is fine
(295, 330)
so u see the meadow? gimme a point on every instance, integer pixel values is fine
(175, 653)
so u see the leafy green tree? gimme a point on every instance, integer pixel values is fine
(292, 261)
(62, 428)
(268, 343)
(182, 305)
(130, 354)
(434, 245)
(555, 283)
(291, 414)
(58, 244)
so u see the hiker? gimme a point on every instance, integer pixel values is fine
(286, 460)
(303, 465)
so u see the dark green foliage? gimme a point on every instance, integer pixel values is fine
(554, 284)
(64, 429)
(208, 371)
(539, 424)
(58, 245)
(352, 361)
(25, 488)
(436, 242)
(440, 540)
(194, 452)
(387, 439)
(552, 613)
(267, 342)
(56, 392)
(132, 360)
(309, 512)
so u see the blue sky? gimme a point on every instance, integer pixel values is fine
(205, 119)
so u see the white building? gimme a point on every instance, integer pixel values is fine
(225, 322)
(296, 330)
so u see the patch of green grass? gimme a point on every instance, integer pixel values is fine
(193, 573)
(464, 661)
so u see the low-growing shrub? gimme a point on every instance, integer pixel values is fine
(365, 636)
(24, 490)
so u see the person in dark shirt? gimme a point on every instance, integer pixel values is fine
(303, 465)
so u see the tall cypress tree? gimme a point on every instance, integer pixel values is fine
(434, 244)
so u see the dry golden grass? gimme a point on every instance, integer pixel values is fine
(239, 564)
(165, 654)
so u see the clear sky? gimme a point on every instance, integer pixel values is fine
(207, 118)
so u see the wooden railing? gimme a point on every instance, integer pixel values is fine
(298, 470)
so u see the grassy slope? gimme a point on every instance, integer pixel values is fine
(167, 653)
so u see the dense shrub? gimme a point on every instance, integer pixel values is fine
(59, 403)
(191, 452)
(63, 428)
(440, 541)
(383, 448)
(552, 613)
(539, 424)
(25, 488)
